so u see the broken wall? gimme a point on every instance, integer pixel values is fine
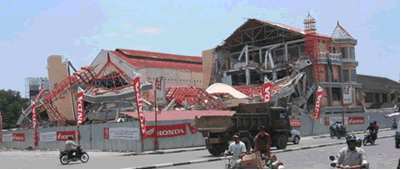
(207, 64)
(101, 60)
(58, 71)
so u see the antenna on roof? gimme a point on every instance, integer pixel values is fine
(338, 22)
(308, 14)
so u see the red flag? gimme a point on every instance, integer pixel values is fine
(139, 102)
(318, 104)
(34, 120)
(80, 106)
(266, 90)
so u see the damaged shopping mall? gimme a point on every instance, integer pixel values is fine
(296, 61)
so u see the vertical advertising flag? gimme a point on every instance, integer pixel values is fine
(266, 90)
(80, 106)
(318, 103)
(1, 123)
(34, 121)
(139, 102)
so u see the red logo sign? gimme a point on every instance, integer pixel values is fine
(327, 121)
(63, 135)
(80, 106)
(266, 90)
(139, 103)
(295, 123)
(192, 128)
(106, 133)
(317, 104)
(167, 131)
(34, 121)
(356, 120)
(18, 137)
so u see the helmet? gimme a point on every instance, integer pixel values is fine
(261, 128)
(350, 138)
(358, 140)
(70, 137)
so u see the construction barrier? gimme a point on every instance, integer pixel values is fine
(172, 134)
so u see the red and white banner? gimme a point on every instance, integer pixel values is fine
(129, 133)
(139, 103)
(80, 106)
(266, 90)
(327, 121)
(7, 137)
(295, 123)
(192, 128)
(19, 137)
(356, 120)
(34, 121)
(63, 135)
(318, 103)
(106, 133)
(167, 131)
(48, 136)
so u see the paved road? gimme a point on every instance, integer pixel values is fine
(104, 160)
(382, 155)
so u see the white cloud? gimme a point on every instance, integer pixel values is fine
(126, 26)
(113, 34)
(148, 31)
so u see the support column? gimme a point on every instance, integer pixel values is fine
(299, 51)
(246, 55)
(286, 51)
(267, 52)
(247, 76)
(260, 55)
(273, 66)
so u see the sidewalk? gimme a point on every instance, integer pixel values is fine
(353, 132)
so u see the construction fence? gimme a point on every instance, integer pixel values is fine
(172, 134)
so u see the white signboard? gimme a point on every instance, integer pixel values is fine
(160, 85)
(48, 136)
(124, 133)
(7, 137)
(339, 119)
(347, 95)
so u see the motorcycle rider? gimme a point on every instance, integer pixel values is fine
(358, 142)
(237, 149)
(68, 146)
(262, 142)
(372, 129)
(333, 127)
(376, 131)
(351, 155)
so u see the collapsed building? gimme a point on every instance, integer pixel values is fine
(296, 61)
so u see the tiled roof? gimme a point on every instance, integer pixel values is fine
(143, 62)
(291, 28)
(376, 84)
(155, 55)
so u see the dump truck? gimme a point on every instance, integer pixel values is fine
(219, 129)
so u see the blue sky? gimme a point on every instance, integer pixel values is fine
(32, 31)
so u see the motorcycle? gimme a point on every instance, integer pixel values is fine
(79, 155)
(394, 126)
(347, 166)
(341, 133)
(271, 163)
(332, 132)
(367, 138)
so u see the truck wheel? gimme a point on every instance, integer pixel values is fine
(281, 142)
(247, 144)
(215, 151)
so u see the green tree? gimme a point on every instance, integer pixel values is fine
(11, 103)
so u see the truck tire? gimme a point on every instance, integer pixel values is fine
(281, 142)
(247, 143)
(215, 151)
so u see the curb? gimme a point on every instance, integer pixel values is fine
(218, 159)
(164, 152)
(355, 132)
